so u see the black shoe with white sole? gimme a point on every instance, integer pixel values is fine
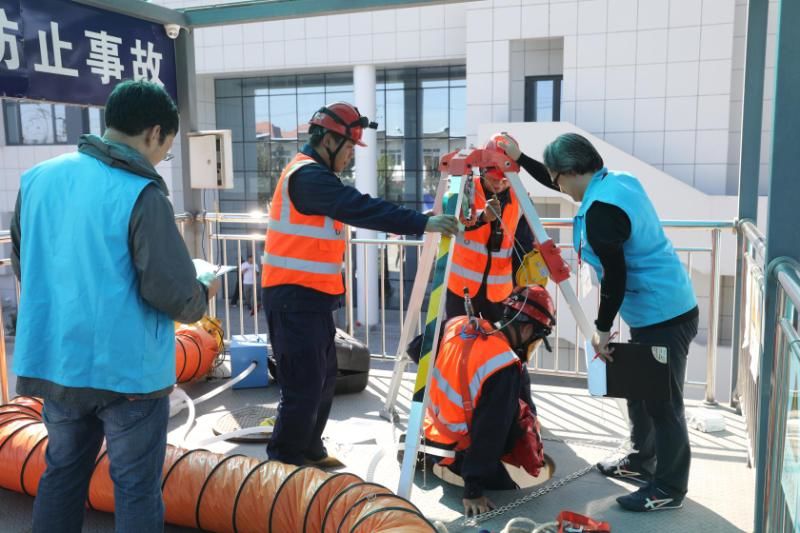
(650, 498)
(625, 470)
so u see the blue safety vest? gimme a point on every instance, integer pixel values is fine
(657, 286)
(82, 321)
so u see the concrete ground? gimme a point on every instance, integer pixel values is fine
(579, 431)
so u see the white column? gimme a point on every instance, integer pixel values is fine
(366, 170)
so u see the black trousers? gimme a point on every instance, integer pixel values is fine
(658, 429)
(305, 356)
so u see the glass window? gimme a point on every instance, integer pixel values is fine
(229, 117)
(255, 86)
(36, 123)
(395, 113)
(458, 105)
(339, 83)
(434, 77)
(228, 88)
(543, 98)
(435, 111)
(283, 116)
(420, 113)
(307, 105)
(283, 85)
(311, 84)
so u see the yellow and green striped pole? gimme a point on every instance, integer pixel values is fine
(430, 340)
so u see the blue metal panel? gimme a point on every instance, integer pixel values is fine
(281, 9)
(783, 239)
(750, 154)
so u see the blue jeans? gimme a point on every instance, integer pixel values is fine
(136, 436)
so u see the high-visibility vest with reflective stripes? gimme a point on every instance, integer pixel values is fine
(456, 391)
(472, 253)
(300, 249)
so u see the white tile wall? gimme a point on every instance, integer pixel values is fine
(679, 147)
(684, 13)
(649, 114)
(621, 48)
(620, 82)
(649, 147)
(712, 146)
(684, 44)
(652, 47)
(622, 15)
(681, 56)
(651, 80)
(619, 116)
(652, 14)
(681, 113)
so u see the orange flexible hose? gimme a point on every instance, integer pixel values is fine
(225, 494)
(195, 352)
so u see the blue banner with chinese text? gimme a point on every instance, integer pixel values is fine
(60, 51)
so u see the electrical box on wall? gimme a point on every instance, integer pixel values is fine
(211, 159)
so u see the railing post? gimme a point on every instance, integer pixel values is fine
(3, 363)
(713, 320)
(738, 302)
(348, 281)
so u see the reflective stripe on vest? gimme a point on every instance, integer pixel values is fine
(446, 418)
(305, 250)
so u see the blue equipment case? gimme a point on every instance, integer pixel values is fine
(245, 349)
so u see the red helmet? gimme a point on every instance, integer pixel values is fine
(492, 146)
(344, 119)
(531, 303)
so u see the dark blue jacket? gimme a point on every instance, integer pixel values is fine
(315, 190)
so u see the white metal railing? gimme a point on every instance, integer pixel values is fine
(778, 419)
(571, 354)
(219, 232)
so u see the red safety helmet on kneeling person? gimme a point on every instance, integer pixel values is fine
(531, 304)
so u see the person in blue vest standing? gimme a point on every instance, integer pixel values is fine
(104, 272)
(618, 233)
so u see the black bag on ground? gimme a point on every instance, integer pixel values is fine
(352, 358)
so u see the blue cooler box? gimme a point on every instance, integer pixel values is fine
(244, 350)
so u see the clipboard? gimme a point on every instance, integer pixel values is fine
(639, 372)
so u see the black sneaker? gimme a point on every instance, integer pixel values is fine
(625, 470)
(650, 498)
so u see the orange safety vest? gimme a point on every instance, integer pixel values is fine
(471, 254)
(300, 249)
(465, 361)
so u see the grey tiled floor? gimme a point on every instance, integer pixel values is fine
(721, 485)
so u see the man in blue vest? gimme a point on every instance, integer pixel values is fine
(618, 233)
(104, 273)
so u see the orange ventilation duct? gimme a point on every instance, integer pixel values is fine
(195, 352)
(225, 494)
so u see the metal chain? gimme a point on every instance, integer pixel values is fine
(477, 519)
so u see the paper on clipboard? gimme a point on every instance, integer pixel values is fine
(596, 372)
(206, 272)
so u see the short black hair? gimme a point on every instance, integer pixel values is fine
(572, 153)
(134, 106)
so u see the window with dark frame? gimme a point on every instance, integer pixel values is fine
(41, 123)
(543, 98)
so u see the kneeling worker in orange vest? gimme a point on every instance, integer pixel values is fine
(480, 396)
